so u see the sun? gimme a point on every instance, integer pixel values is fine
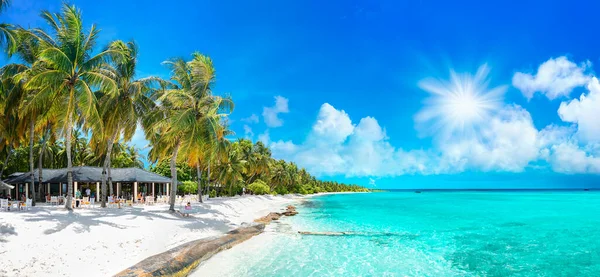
(460, 105)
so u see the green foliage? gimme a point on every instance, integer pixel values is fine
(259, 187)
(188, 187)
(73, 90)
(184, 171)
(281, 190)
(212, 194)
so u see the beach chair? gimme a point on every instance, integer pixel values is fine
(53, 200)
(111, 202)
(4, 204)
(85, 202)
(26, 205)
(149, 200)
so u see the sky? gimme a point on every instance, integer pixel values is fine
(387, 94)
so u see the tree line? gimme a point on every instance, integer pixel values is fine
(63, 88)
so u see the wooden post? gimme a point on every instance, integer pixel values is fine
(74, 189)
(49, 189)
(26, 191)
(135, 189)
(153, 190)
(60, 189)
(168, 192)
(98, 191)
(118, 189)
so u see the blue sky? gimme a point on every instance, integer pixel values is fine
(337, 86)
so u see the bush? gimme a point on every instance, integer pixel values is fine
(259, 187)
(281, 190)
(212, 193)
(188, 187)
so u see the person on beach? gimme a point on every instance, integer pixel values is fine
(188, 209)
(88, 192)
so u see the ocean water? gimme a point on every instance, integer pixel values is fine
(532, 233)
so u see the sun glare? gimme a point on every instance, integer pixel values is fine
(460, 105)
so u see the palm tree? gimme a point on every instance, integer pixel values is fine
(70, 71)
(122, 111)
(8, 37)
(189, 115)
(231, 168)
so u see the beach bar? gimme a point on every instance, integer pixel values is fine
(126, 182)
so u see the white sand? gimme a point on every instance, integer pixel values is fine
(49, 241)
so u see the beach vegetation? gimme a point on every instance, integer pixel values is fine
(259, 187)
(66, 101)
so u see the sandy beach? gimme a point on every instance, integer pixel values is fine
(48, 241)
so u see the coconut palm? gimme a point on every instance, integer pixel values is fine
(70, 71)
(16, 75)
(231, 169)
(8, 36)
(189, 115)
(122, 111)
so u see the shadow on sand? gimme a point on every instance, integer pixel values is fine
(85, 219)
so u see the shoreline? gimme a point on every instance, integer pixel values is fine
(103, 242)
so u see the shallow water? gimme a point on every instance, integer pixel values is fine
(548, 233)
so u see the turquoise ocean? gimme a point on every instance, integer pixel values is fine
(433, 233)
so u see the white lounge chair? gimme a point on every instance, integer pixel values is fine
(149, 200)
(53, 200)
(111, 202)
(4, 204)
(27, 205)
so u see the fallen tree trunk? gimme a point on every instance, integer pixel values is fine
(180, 260)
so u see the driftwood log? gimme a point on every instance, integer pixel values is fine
(181, 260)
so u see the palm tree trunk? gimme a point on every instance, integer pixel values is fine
(31, 168)
(173, 178)
(5, 161)
(199, 173)
(107, 165)
(43, 149)
(68, 204)
(208, 179)
(109, 176)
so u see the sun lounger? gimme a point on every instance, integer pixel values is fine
(26, 205)
(54, 200)
(4, 204)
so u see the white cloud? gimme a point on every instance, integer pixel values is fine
(251, 119)
(264, 137)
(270, 114)
(332, 126)
(336, 146)
(554, 78)
(570, 158)
(584, 111)
(507, 143)
(248, 132)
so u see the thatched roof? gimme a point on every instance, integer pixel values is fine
(88, 174)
